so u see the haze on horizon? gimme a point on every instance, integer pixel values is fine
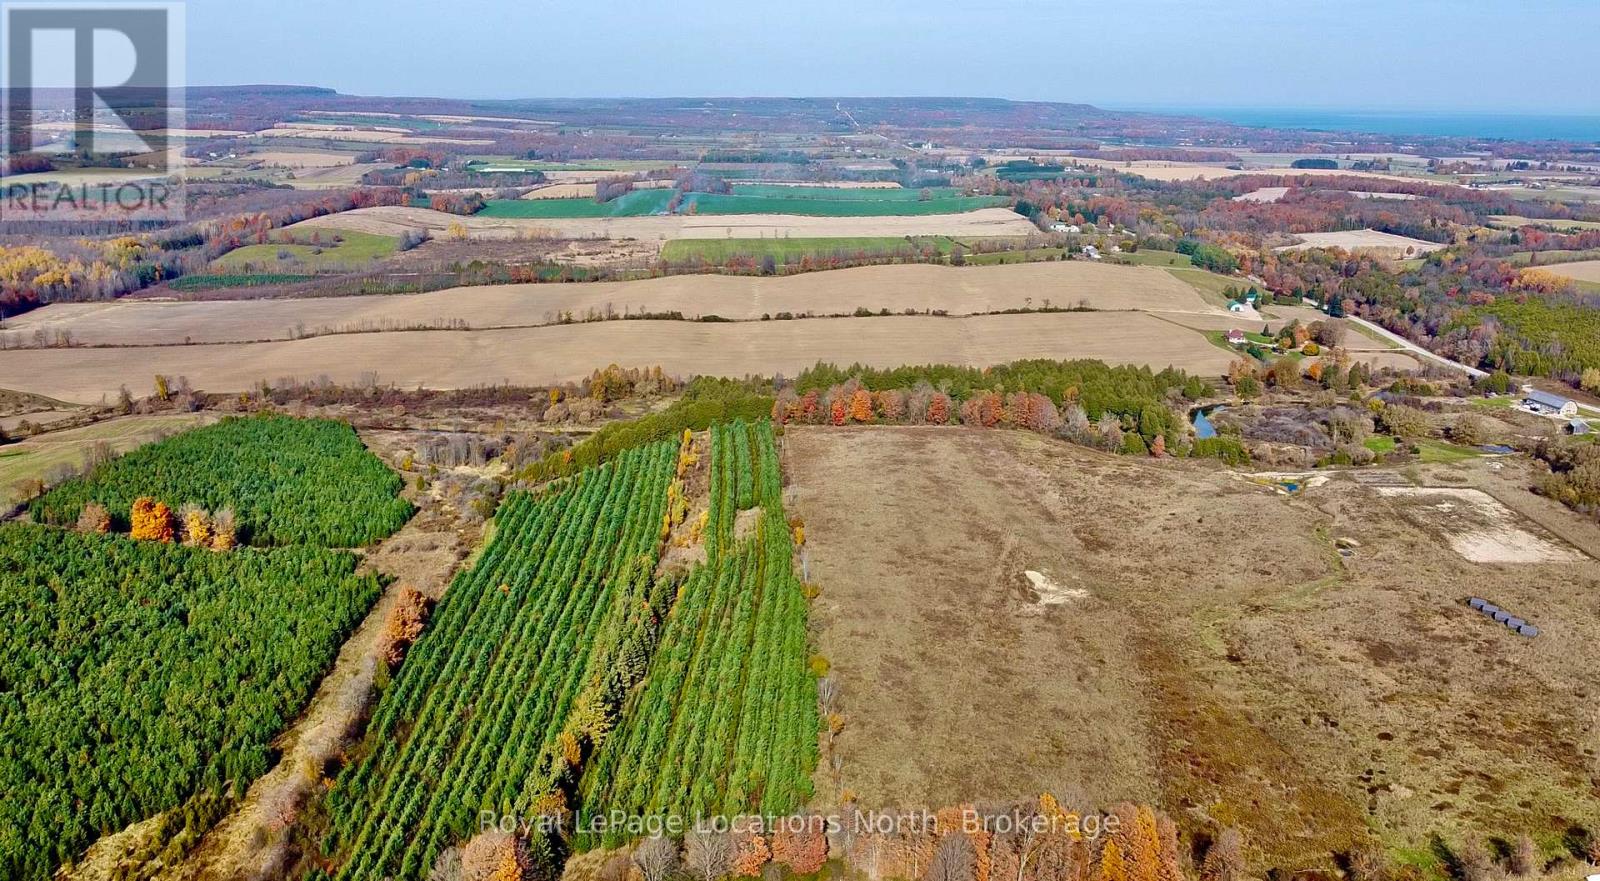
(1430, 55)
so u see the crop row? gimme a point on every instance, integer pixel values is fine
(725, 722)
(494, 706)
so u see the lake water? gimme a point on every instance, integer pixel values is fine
(1202, 423)
(1457, 124)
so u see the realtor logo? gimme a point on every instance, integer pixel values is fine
(92, 112)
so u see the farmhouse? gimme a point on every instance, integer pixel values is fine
(1234, 336)
(1552, 404)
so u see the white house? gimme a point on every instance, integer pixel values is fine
(1091, 252)
(1552, 404)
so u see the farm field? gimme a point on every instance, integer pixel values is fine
(788, 250)
(1364, 240)
(1586, 270)
(542, 355)
(36, 458)
(637, 203)
(395, 221)
(1513, 221)
(1184, 171)
(569, 608)
(829, 203)
(956, 290)
(307, 252)
(1078, 604)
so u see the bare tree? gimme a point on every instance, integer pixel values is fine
(956, 860)
(656, 857)
(708, 855)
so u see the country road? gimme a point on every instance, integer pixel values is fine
(1415, 349)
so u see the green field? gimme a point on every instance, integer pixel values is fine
(791, 250)
(635, 204)
(844, 194)
(1168, 259)
(1430, 450)
(35, 458)
(305, 253)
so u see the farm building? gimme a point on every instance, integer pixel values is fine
(1578, 426)
(1235, 337)
(1545, 402)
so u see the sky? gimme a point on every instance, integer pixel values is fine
(1533, 56)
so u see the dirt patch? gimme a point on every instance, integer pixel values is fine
(1053, 594)
(1368, 240)
(1477, 526)
(1242, 676)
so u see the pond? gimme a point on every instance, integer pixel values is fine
(1200, 419)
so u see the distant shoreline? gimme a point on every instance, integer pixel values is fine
(1454, 124)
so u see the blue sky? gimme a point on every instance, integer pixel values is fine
(1534, 56)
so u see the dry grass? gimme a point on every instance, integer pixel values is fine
(958, 291)
(1585, 270)
(37, 457)
(394, 220)
(1368, 240)
(1237, 676)
(535, 356)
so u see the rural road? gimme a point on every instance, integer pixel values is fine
(1415, 349)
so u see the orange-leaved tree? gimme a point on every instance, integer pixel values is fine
(151, 520)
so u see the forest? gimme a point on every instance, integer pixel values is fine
(137, 675)
(287, 482)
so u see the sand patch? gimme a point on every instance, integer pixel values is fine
(1053, 594)
(1477, 526)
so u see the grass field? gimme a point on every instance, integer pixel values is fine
(790, 250)
(1430, 450)
(306, 252)
(637, 203)
(1169, 259)
(38, 457)
(1299, 696)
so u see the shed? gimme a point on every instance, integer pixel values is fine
(1578, 426)
(1547, 402)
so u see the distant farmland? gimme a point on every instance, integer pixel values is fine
(721, 250)
(638, 203)
(755, 199)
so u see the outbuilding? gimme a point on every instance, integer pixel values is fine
(1546, 402)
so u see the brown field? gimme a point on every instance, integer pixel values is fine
(1183, 171)
(1585, 270)
(395, 220)
(303, 159)
(956, 290)
(1364, 240)
(1235, 676)
(390, 136)
(586, 190)
(535, 356)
